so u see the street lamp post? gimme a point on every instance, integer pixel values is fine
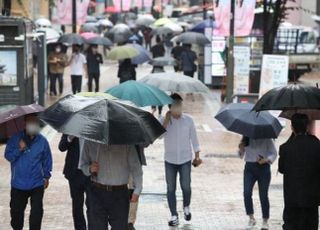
(230, 64)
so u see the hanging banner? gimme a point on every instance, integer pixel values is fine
(241, 69)
(63, 12)
(274, 72)
(244, 17)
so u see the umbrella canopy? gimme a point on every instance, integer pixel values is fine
(101, 120)
(290, 97)
(105, 22)
(192, 38)
(140, 94)
(97, 94)
(111, 9)
(313, 114)
(89, 27)
(51, 34)
(12, 119)
(174, 82)
(144, 55)
(91, 19)
(200, 27)
(72, 39)
(174, 27)
(99, 41)
(163, 61)
(162, 22)
(119, 33)
(239, 118)
(122, 52)
(43, 22)
(145, 20)
(89, 35)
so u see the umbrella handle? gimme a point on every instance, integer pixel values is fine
(98, 151)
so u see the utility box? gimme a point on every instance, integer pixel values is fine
(16, 61)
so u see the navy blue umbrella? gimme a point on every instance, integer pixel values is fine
(239, 118)
(144, 55)
(200, 27)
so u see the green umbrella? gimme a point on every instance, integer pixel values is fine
(140, 94)
(122, 52)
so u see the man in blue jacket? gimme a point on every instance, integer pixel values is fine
(31, 164)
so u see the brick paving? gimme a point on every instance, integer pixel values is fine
(217, 202)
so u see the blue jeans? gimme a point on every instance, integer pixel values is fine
(184, 171)
(254, 172)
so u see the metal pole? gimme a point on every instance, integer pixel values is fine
(230, 65)
(74, 16)
(42, 68)
(121, 6)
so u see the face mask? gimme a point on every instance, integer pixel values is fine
(176, 110)
(58, 50)
(32, 128)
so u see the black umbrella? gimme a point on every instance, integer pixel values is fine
(239, 118)
(89, 27)
(99, 41)
(163, 61)
(290, 97)
(102, 120)
(71, 39)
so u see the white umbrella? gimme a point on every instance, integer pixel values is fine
(43, 22)
(145, 20)
(174, 27)
(105, 22)
(174, 82)
(51, 34)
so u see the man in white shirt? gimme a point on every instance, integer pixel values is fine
(180, 142)
(78, 68)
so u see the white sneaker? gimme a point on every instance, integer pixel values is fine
(265, 225)
(174, 221)
(252, 223)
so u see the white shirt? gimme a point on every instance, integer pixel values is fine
(260, 148)
(180, 140)
(77, 64)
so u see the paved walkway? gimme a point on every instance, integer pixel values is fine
(217, 202)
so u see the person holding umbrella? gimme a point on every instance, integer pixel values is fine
(94, 59)
(31, 164)
(181, 131)
(78, 65)
(299, 162)
(57, 62)
(78, 182)
(110, 167)
(258, 154)
(188, 58)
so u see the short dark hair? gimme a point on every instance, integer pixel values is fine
(176, 98)
(300, 123)
(158, 39)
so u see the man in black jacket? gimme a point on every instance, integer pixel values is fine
(299, 163)
(78, 182)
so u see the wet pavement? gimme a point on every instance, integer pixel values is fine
(217, 201)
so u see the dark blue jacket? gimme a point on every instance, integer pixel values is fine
(30, 167)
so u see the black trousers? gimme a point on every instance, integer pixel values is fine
(296, 218)
(18, 204)
(189, 73)
(53, 80)
(76, 83)
(109, 207)
(79, 191)
(95, 77)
